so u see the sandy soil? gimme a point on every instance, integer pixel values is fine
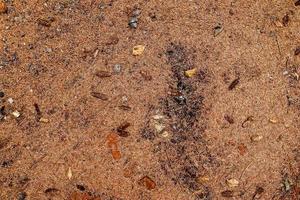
(209, 110)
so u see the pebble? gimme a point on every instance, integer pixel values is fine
(1, 94)
(133, 22)
(10, 100)
(117, 68)
(16, 114)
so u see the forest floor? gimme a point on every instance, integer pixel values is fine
(149, 100)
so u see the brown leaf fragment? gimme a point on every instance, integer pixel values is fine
(229, 119)
(285, 20)
(112, 142)
(234, 83)
(147, 182)
(146, 75)
(297, 51)
(121, 130)
(45, 22)
(51, 190)
(258, 192)
(102, 74)
(125, 107)
(242, 149)
(99, 95)
(227, 193)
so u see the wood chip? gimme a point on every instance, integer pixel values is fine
(99, 95)
(256, 138)
(69, 173)
(147, 182)
(232, 182)
(234, 83)
(102, 74)
(190, 73)
(278, 23)
(138, 50)
(44, 120)
(273, 121)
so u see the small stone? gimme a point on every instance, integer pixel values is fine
(117, 68)
(3, 7)
(256, 138)
(232, 182)
(218, 29)
(285, 73)
(133, 22)
(16, 114)
(10, 100)
(2, 94)
(190, 73)
(138, 50)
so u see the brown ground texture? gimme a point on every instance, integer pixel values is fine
(82, 118)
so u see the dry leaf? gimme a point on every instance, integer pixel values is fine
(112, 141)
(190, 73)
(69, 173)
(3, 7)
(232, 182)
(147, 182)
(138, 50)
